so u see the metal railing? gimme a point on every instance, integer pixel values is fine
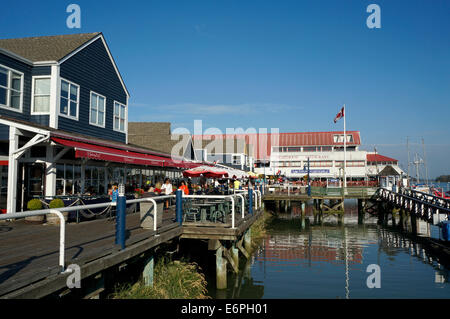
(153, 200)
(59, 211)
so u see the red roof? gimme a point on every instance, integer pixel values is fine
(379, 158)
(262, 142)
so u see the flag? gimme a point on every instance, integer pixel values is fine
(339, 115)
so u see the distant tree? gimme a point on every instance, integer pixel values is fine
(443, 179)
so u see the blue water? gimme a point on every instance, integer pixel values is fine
(331, 261)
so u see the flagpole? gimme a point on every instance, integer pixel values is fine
(345, 151)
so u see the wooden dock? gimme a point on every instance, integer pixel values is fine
(29, 255)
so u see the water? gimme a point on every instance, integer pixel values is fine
(330, 261)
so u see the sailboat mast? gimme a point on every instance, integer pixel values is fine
(425, 160)
(409, 159)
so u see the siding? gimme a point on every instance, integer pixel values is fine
(93, 70)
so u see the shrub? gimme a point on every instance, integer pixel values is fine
(56, 203)
(34, 204)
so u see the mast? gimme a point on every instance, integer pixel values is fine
(409, 160)
(425, 160)
(345, 150)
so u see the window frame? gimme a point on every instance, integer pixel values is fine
(75, 118)
(124, 119)
(8, 106)
(33, 78)
(90, 110)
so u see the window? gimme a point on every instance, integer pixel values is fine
(97, 114)
(69, 99)
(340, 138)
(41, 95)
(68, 179)
(309, 149)
(119, 117)
(294, 149)
(11, 87)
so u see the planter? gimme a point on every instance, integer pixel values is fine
(146, 214)
(53, 219)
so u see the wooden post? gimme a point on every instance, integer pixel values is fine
(221, 269)
(234, 251)
(360, 211)
(248, 240)
(147, 274)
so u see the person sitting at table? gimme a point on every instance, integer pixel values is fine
(184, 188)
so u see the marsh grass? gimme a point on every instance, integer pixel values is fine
(259, 229)
(172, 280)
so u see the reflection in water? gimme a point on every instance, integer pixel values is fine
(310, 259)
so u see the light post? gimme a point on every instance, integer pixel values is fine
(309, 185)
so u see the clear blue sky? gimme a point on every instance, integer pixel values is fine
(283, 64)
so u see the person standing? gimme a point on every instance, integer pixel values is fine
(166, 189)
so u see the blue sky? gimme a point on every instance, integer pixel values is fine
(283, 64)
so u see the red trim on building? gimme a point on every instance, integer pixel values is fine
(97, 152)
(3, 163)
(379, 158)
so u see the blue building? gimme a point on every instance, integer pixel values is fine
(64, 121)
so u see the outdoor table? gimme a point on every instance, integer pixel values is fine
(203, 210)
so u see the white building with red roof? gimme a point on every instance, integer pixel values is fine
(288, 153)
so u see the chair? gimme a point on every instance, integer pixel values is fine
(190, 212)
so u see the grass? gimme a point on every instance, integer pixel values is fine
(259, 229)
(172, 280)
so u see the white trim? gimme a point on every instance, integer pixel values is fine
(126, 123)
(33, 78)
(100, 36)
(68, 116)
(90, 106)
(8, 90)
(24, 127)
(16, 56)
(54, 94)
(125, 119)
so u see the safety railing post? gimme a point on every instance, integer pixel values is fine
(250, 201)
(179, 207)
(121, 220)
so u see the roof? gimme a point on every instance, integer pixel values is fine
(54, 48)
(379, 158)
(237, 145)
(263, 142)
(46, 48)
(157, 136)
(389, 171)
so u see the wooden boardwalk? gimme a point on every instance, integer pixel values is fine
(29, 255)
(30, 252)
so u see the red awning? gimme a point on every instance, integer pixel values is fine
(97, 152)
